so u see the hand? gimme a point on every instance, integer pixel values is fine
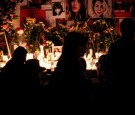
(105, 6)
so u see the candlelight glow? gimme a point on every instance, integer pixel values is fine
(20, 32)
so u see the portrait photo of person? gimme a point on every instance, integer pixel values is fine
(100, 8)
(58, 10)
(76, 10)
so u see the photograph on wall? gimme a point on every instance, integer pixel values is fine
(76, 10)
(58, 10)
(38, 15)
(49, 17)
(128, 6)
(119, 6)
(125, 8)
(47, 4)
(35, 3)
(100, 8)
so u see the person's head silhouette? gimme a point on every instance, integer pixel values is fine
(19, 54)
(127, 27)
(75, 44)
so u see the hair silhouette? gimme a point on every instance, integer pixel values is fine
(127, 27)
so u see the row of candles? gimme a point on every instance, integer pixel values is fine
(50, 60)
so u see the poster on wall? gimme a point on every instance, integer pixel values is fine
(119, 6)
(35, 3)
(76, 10)
(124, 9)
(58, 10)
(47, 5)
(81, 10)
(39, 15)
(100, 8)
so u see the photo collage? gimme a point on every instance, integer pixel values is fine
(82, 10)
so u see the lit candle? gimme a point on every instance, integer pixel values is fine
(29, 56)
(5, 58)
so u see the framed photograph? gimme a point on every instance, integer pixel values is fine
(47, 5)
(119, 6)
(124, 9)
(38, 14)
(100, 9)
(57, 50)
(58, 9)
(76, 10)
(35, 3)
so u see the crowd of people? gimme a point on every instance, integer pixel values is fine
(69, 85)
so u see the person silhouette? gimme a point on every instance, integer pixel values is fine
(101, 67)
(32, 79)
(33, 70)
(12, 75)
(69, 83)
(14, 67)
(120, 62)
